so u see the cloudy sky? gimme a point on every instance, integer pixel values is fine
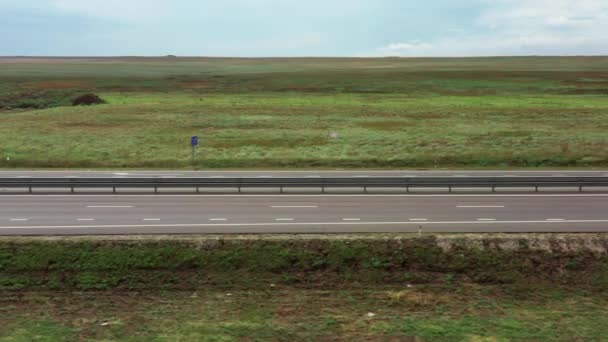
(303, 28)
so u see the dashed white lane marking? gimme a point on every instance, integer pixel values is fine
(19, 220)
(85, 219)
(419, 220)
(486, 219)
(109, 206)
(351, 219)
(284, 219)
(151, 219)
(218, 219)
(479, 206)
(24, 176)
(362, 176)
(555, 219)
(156, 174)
(313, 176)
(293, 206)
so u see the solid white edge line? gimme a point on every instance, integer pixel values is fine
(303, 224)
(109, 206)
(303, 196)
(293, 206)
(549, 171)
(479, 206)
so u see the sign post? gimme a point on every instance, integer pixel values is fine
(194, 143)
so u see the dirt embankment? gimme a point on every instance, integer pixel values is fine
(309, 261)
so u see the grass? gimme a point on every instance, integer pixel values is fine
(442, 288)
(129, 265)
(276, 113)
(458, 312)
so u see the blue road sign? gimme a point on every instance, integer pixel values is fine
(194, 141)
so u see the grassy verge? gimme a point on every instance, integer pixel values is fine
(361, 287)
(388, 113)
(457, 312)
(311, 263)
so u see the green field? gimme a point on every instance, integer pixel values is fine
(277, 113)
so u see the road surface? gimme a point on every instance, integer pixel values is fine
(197, 214)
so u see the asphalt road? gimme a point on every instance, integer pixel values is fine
(220, 173)
(190, 214)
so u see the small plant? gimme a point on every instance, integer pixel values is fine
(450, 278)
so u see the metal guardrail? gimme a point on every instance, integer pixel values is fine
(406, 183)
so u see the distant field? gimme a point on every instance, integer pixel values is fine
(275, 113)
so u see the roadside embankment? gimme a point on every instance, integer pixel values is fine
(302, 261)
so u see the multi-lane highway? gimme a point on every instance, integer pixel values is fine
(192, 214)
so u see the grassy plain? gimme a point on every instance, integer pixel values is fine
(276, 113)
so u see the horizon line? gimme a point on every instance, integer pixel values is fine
(293, 57)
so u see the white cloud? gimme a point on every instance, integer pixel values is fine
(405, 48)
(522, 27)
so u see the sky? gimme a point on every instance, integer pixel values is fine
(287, 28)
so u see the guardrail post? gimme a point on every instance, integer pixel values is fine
(450, 187)
(407, 189)
(198, 189)
(155, 188)
(322, 189)
(580, 188)
(365, 189)
(281, 188)
(113, 188)
(493, 188)
(239, 187)
(536, 187)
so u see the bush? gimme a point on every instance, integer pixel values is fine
(88, 100)
(36, 100)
